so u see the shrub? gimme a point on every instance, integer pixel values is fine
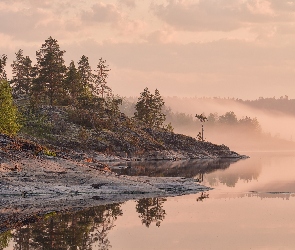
(8, 112)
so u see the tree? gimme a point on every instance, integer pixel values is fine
(229, 118)
(23, 73)
(202, 118)
(86, 80)
(72, 83)
(149, 108)
(100, 87)
(158, 104)
(212, 119)
(3, 60)
(51, 70)
(249, 124)
(8, 112)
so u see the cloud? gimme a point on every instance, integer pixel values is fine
(128, 3)
(102, 13)
(21, 24)
(221, 15)
(159, 36)
(221, 68)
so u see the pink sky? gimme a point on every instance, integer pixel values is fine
(226, 48)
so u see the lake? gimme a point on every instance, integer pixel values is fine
(251, 206)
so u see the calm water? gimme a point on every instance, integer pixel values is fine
(252, 206)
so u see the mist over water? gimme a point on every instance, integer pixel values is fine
(278, 128)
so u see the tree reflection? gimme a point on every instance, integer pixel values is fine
(203, 196)
(151, 210)
(81, 230)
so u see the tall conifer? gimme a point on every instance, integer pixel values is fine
(51, 71)
(23, 74)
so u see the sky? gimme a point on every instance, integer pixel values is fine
(222, 48)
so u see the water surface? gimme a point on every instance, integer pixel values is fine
(251, 207)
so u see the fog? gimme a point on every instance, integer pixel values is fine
(278, 128)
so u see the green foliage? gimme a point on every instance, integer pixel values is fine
(5, 239)
(149, 108)
(100, 87)
(3, 60)
(72, 85)
(169, 127)
(48, 152)
(36, 124)
(23, 74)
(9, 119)
(86, 82)
(49, 215)
(51, 70)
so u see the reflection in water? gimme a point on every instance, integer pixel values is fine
(197, 169)
(247, 170)
(225, 221)
(186, 169)
(271, 195)
(203, 196)
(151, 210)
(82, 230)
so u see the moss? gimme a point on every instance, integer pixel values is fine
(48, 152)
(49, 215)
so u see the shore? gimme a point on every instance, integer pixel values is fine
(36, 181)
(46, 184)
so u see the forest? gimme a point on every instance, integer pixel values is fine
(50, 101)
(34, 91)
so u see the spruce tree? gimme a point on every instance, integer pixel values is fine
(8, 112)
(23, 74)
(85, 73)
(72, 83)
(86, 80)
(51, 71)
(143, 107)
(158, 104)
(101, 88)
(149, 108)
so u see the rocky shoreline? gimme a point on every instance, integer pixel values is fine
(36, 181)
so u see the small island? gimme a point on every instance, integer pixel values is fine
(61, 126)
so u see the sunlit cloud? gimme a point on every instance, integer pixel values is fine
(210, 47)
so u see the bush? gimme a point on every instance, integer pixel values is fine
(8, 112)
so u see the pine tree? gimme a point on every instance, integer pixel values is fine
(85, 73)
(100, 87)
(8, 111)
(23, 73)
(86, 80)
(143, 107)
(149, 108)
(158, 104)
(51, 70)
(72, 83)
(3, 60)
